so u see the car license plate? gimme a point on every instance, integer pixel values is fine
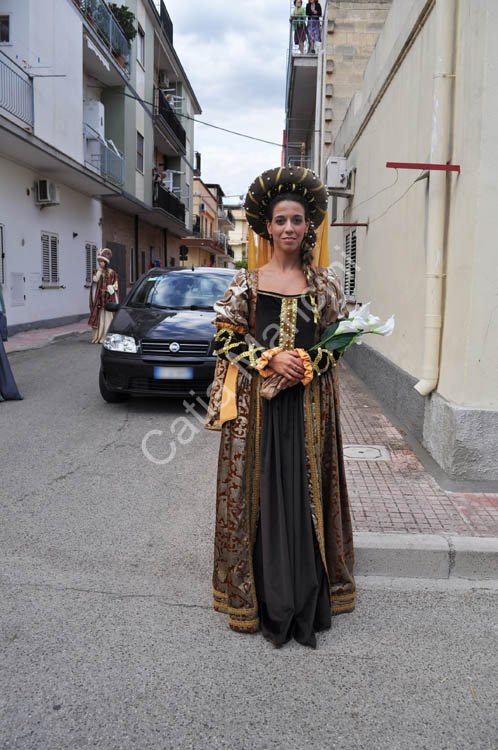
(173, 373)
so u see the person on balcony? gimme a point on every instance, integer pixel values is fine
(313, 14)
(299, 26)
(104, 289)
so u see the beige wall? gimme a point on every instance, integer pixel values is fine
(391, 253)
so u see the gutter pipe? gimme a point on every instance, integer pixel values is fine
(446, 11)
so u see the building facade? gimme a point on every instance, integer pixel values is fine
(208, 245)
(238, 235)
(85, 116)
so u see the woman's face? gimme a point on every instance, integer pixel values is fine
(102, 264)
(298, 3)
(288, 226)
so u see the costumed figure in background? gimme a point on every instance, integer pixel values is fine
(283, 559)
(8, 387)
(105, 288)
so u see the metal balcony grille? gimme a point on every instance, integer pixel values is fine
(166, 113)
(16, 91)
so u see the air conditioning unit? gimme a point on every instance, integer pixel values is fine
(163, 80)
(339, 177)
(46, 193)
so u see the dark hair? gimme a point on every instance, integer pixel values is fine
(309, 238)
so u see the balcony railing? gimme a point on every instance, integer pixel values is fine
(166, 23)
(100, 17)
(163, 110)
(102, 156)
(297, 160)
(305, 34)
(169, 202)
(16, 91)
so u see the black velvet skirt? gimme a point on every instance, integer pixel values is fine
(290, 579)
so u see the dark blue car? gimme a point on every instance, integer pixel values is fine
(160, 342)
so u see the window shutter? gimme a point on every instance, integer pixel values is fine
(90, 261)
(54, 259)
(45, 241)
(50, 258)
(350, 265)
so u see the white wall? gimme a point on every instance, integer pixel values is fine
(47, 41)
(391, 253)
(24, 221)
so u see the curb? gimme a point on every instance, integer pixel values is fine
(426, 556)
(46, 342)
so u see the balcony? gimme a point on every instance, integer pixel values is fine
(165, 117)
(102, 156)
(166, 23)
(301, 90)
(16, 92)
(108, 30)
(170, 203)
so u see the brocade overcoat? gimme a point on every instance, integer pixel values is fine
(237, 499)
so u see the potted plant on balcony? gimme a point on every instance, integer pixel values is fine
(126, 20)
(91, 10)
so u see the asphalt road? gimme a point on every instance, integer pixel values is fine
(107, 636)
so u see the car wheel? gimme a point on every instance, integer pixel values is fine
(112, 397)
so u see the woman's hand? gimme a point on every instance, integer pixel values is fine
(290, 366)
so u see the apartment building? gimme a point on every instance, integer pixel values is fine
(152, 120)
(86, 112)
(208, 245)
(238, 235)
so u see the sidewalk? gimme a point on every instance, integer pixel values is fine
(42, 336)
(405, 524)
(398, 494)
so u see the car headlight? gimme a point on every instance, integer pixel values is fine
(116, 342)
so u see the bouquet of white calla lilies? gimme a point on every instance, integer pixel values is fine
(338, 336)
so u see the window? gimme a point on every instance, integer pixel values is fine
(2, 255)
(50, 258)
(140, 152)
(90, 261)
(350, 266)
(141, 46)
(4, 29)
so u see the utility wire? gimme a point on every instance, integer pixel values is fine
(375, 194)
(396, 201)
(201, 122)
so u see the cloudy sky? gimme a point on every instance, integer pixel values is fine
(234, 54)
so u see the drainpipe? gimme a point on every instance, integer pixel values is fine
(318, 135)
(446, 11)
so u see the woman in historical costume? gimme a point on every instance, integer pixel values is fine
(313, 13)
(8, 387)
(298, 18)
(283, 557)
(105, 288)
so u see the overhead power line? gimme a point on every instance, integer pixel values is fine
(207, 124)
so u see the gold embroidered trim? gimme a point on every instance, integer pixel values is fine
(342, 597)
(288, 317)
(316, 363)
(315, 481)
(336, 610)
(243, 624)
(252, 352)
(220, 594)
